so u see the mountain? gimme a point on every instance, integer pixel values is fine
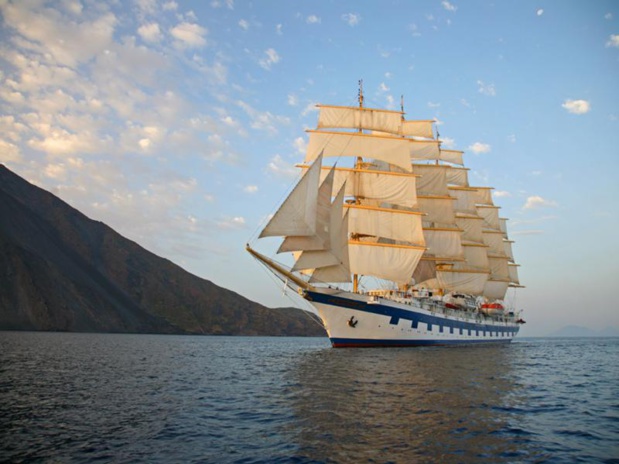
(579, 331)
(61, 271)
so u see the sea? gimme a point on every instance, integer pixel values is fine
(81, 398)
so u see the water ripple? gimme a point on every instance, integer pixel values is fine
(139, 398)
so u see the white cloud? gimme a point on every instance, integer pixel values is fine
(313, 19)
(292, 100)
(526, 232)
(539, 12)
(189, 34)
(501, 194)
(613, 40)
(250, 189)
(448, 6)
(300, 144)
(479, 147)
(414, 30)
(263, 120)
(511, 138)
(271, 58)
(351, 18)
(281, 168)
(243, 24)
(447, 142)
(278, 29)
(608, 16)
(150, 32)
(9, 152)
(577, 106)
(486, 89)
(535, 201)
(237, 222)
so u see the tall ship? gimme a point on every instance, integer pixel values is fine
(384, 236)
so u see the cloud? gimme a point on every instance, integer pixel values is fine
(313, 19)
(300, 144)
(263, 120)
(479, 147)
(281, 168)
(577, 106)
(501, 194)
(535, 202)
(352, 19)
(486, 89)
(539, 12)
(292, 100)
(278, 29)
(237, 222)
(271, 58)
(9, 152)
(526, 232)
(189, 34)
(243, 24)
(448, 6)
(150, 32)
(250, 189)
(613, 41)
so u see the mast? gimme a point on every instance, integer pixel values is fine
(358, 165)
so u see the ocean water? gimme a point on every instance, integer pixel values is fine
(148, 398)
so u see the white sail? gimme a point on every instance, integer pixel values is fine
(498, 268)
(471, 227)
(476, 258)
(417, 129)
(457, 176)
(393, 150)
(495, 290)
(395, 188)
(424, 150)
(320, 239)
(471, 282)
(297, 214)
(465, 199)
(335, 253)
(432, 180)
(494, 240)
(484, 196)
(388, 223)
(444, 243)
(346, 117)
(490, 214)
(507, 246)
(513, 273)
(386, 261)
(439, 210)
(451, 156)
(503, 226)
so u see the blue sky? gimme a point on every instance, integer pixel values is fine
(179, 123)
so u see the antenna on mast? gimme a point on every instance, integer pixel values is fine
(402, 105)
(360, 93)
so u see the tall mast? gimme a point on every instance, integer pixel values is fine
(358, 165)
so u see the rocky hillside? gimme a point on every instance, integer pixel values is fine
(61, 271)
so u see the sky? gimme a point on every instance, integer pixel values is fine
(178, 123)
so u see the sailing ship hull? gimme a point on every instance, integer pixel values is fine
(357, 320)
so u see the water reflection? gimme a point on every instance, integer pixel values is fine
(408, 405)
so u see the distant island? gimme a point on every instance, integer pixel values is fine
(579, 331)
(61, 271)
